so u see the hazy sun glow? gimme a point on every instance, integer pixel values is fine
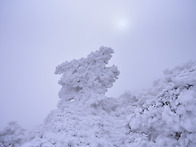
(121, 24)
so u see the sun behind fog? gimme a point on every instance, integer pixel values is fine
(121, 24)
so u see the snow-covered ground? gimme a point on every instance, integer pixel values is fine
(164, 115)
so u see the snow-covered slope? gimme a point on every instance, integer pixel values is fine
(163, 116)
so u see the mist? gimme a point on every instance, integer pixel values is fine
(36, 36)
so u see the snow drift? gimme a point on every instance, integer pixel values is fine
(165, 115)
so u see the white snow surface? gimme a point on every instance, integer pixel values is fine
(164, 115)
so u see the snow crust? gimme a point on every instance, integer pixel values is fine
(164, 115)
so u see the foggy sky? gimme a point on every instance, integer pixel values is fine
(37, 35)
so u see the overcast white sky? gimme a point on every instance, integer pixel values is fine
(37, 35)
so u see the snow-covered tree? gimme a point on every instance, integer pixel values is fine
(87, 76)
(12, 135)
(82, 116)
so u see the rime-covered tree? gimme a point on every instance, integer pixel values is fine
(82, 118)
(86, 77)
(166, 114)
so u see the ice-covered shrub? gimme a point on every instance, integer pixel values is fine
(167, 113)
(12, 135)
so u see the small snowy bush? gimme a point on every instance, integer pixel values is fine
(12, 135)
